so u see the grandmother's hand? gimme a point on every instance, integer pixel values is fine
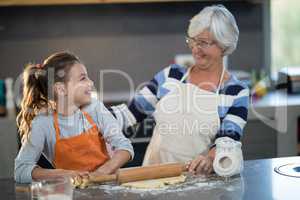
(201, 165)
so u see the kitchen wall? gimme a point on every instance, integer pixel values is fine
(138, 38)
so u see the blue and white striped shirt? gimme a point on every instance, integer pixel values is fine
(232, 109)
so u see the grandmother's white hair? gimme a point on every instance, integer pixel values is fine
(220, 22)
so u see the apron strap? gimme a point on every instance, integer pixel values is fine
(186, 74)
(89, 118)
(56, 126)
(221, 79)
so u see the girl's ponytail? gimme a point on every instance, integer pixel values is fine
(37, 87)
(35, 96)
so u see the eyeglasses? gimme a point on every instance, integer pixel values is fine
(200, 44)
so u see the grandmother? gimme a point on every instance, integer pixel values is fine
(193, 106)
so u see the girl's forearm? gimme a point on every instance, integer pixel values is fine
(119, 158)
(39, 173)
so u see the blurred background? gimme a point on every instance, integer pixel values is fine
(136, 39)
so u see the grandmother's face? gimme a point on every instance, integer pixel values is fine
(206, 51)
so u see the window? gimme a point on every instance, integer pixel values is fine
(285, 34)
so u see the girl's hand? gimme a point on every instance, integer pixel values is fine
(201, 165)
(77, 177)
(119, 158)
(103, 170)
(71, 173)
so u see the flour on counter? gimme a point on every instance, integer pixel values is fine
(192, 183)
(55, 197)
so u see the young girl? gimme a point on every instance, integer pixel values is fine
(59, 119)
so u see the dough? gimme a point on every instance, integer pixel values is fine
(155, 183)
(84, 184)
(76, 181)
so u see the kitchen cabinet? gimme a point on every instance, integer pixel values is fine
(69, 2)
(259, 141)
(8, 147)
(277, 114)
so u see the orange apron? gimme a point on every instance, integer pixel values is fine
(84, 152)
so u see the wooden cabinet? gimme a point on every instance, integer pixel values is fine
(70, 2)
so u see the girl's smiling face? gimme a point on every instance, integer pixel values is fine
(79, 86)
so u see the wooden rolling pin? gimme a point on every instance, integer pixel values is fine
(131, 174)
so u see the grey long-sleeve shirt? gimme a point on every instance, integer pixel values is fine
(42, 138)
